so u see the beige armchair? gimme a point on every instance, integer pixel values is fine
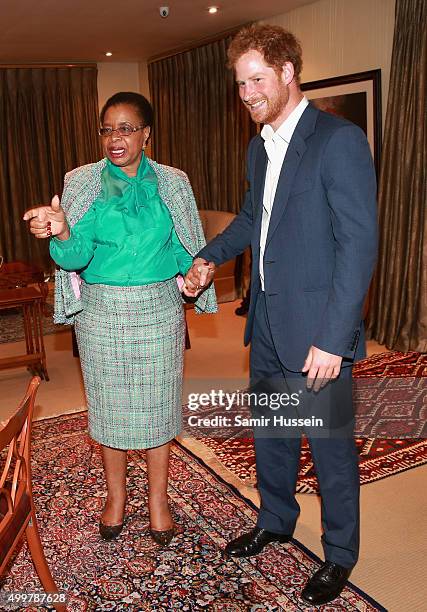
(214, 222)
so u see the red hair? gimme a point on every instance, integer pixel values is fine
(276, 44)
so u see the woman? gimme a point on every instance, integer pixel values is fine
(129, 226)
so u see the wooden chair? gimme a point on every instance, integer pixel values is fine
(17, 513)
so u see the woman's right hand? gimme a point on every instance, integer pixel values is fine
(47, 221)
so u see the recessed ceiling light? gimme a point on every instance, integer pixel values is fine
(108, 54)
(212, 10)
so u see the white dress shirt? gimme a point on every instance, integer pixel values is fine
(276, 144)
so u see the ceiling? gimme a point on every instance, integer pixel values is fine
(83, 30)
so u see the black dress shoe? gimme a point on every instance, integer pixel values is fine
(110, 532)
(252, 543)
(325, 584)
(242, 310)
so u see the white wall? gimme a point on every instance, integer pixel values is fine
(116, 76)
(343, 36)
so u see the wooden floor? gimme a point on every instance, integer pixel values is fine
(392, 566)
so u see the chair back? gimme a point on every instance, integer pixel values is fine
(15, 480)
(214, 222)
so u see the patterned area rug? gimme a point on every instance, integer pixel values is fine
(132, 573)
(391, 429)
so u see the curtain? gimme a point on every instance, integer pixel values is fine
(48, 118)
(200, 124)
(398, 312)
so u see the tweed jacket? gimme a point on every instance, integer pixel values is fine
(81, 188)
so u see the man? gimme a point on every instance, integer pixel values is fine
(310, 216)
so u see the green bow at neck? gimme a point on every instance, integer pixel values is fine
(129, 193)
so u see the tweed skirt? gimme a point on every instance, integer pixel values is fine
(131, 345)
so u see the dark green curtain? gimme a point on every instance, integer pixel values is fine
(398, 312)
(200, 124)
(49, 119)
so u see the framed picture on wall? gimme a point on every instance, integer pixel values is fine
(356, 97)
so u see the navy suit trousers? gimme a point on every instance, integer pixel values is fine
(277, 460)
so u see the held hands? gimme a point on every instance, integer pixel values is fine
(321, 367)
(198, 277)
(47, 221)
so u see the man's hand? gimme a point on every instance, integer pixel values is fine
(47, 221)
(321, 367)
(198, 277)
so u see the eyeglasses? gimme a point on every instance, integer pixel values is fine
(122, 130)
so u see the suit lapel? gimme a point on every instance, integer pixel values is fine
(290, 165)
(259, 176)
(258, 182)
(293, 157)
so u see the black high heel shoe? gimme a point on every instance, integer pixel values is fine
(163, 538)
(110, 532)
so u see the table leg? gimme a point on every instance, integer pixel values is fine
(44, 290)
(26, 313)
(38, 307)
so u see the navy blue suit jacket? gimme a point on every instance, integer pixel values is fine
(322, 239)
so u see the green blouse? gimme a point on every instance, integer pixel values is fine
(127, 236)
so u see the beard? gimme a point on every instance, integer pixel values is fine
(274, 107)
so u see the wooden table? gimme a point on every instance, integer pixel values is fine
(30, 300)
(20, 274)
